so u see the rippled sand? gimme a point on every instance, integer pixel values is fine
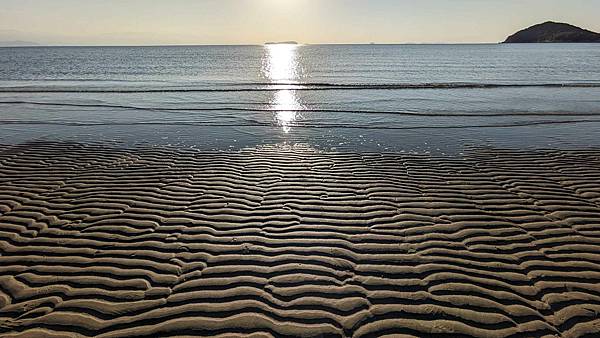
(288, 241)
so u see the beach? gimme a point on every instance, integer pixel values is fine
(289, 240)
(293, 190)
(299, 168)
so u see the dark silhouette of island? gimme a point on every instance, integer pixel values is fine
(553, 32)
(282, 43)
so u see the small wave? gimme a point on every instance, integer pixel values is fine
(299, 126)
(306, 110)
(266, 87)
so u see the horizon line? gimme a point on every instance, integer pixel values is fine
(252, 44)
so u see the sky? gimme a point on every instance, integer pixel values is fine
(158, 22)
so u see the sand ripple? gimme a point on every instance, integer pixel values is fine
(285, 242)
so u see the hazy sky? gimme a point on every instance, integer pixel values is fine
(107, 22)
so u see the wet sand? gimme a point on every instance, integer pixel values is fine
(289, 241)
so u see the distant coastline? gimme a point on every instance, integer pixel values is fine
(282, 43)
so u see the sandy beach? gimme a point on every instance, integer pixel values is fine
(279, 241)
(299, 168)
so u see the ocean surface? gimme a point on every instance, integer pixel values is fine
(437, 99)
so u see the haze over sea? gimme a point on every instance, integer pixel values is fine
(400, 98)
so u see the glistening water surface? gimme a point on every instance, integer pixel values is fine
(401, 98)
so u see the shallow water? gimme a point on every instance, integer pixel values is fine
(411, 98)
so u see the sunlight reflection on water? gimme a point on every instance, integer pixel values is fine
(286, 102)
(281, 66)
(281, 63)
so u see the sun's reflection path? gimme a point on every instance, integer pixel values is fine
(281, 67)
(287, 106)
(281, 63)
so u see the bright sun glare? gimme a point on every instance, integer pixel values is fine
(282, 63)
(281, 67)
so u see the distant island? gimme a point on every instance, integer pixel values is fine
(553, 32)
(282, 43)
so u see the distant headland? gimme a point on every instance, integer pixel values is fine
(553, 32)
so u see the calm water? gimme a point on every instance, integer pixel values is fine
(416, 98)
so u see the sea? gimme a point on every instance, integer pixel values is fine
(429, 99)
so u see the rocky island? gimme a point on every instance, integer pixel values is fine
(553, 32)
(282, 43)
